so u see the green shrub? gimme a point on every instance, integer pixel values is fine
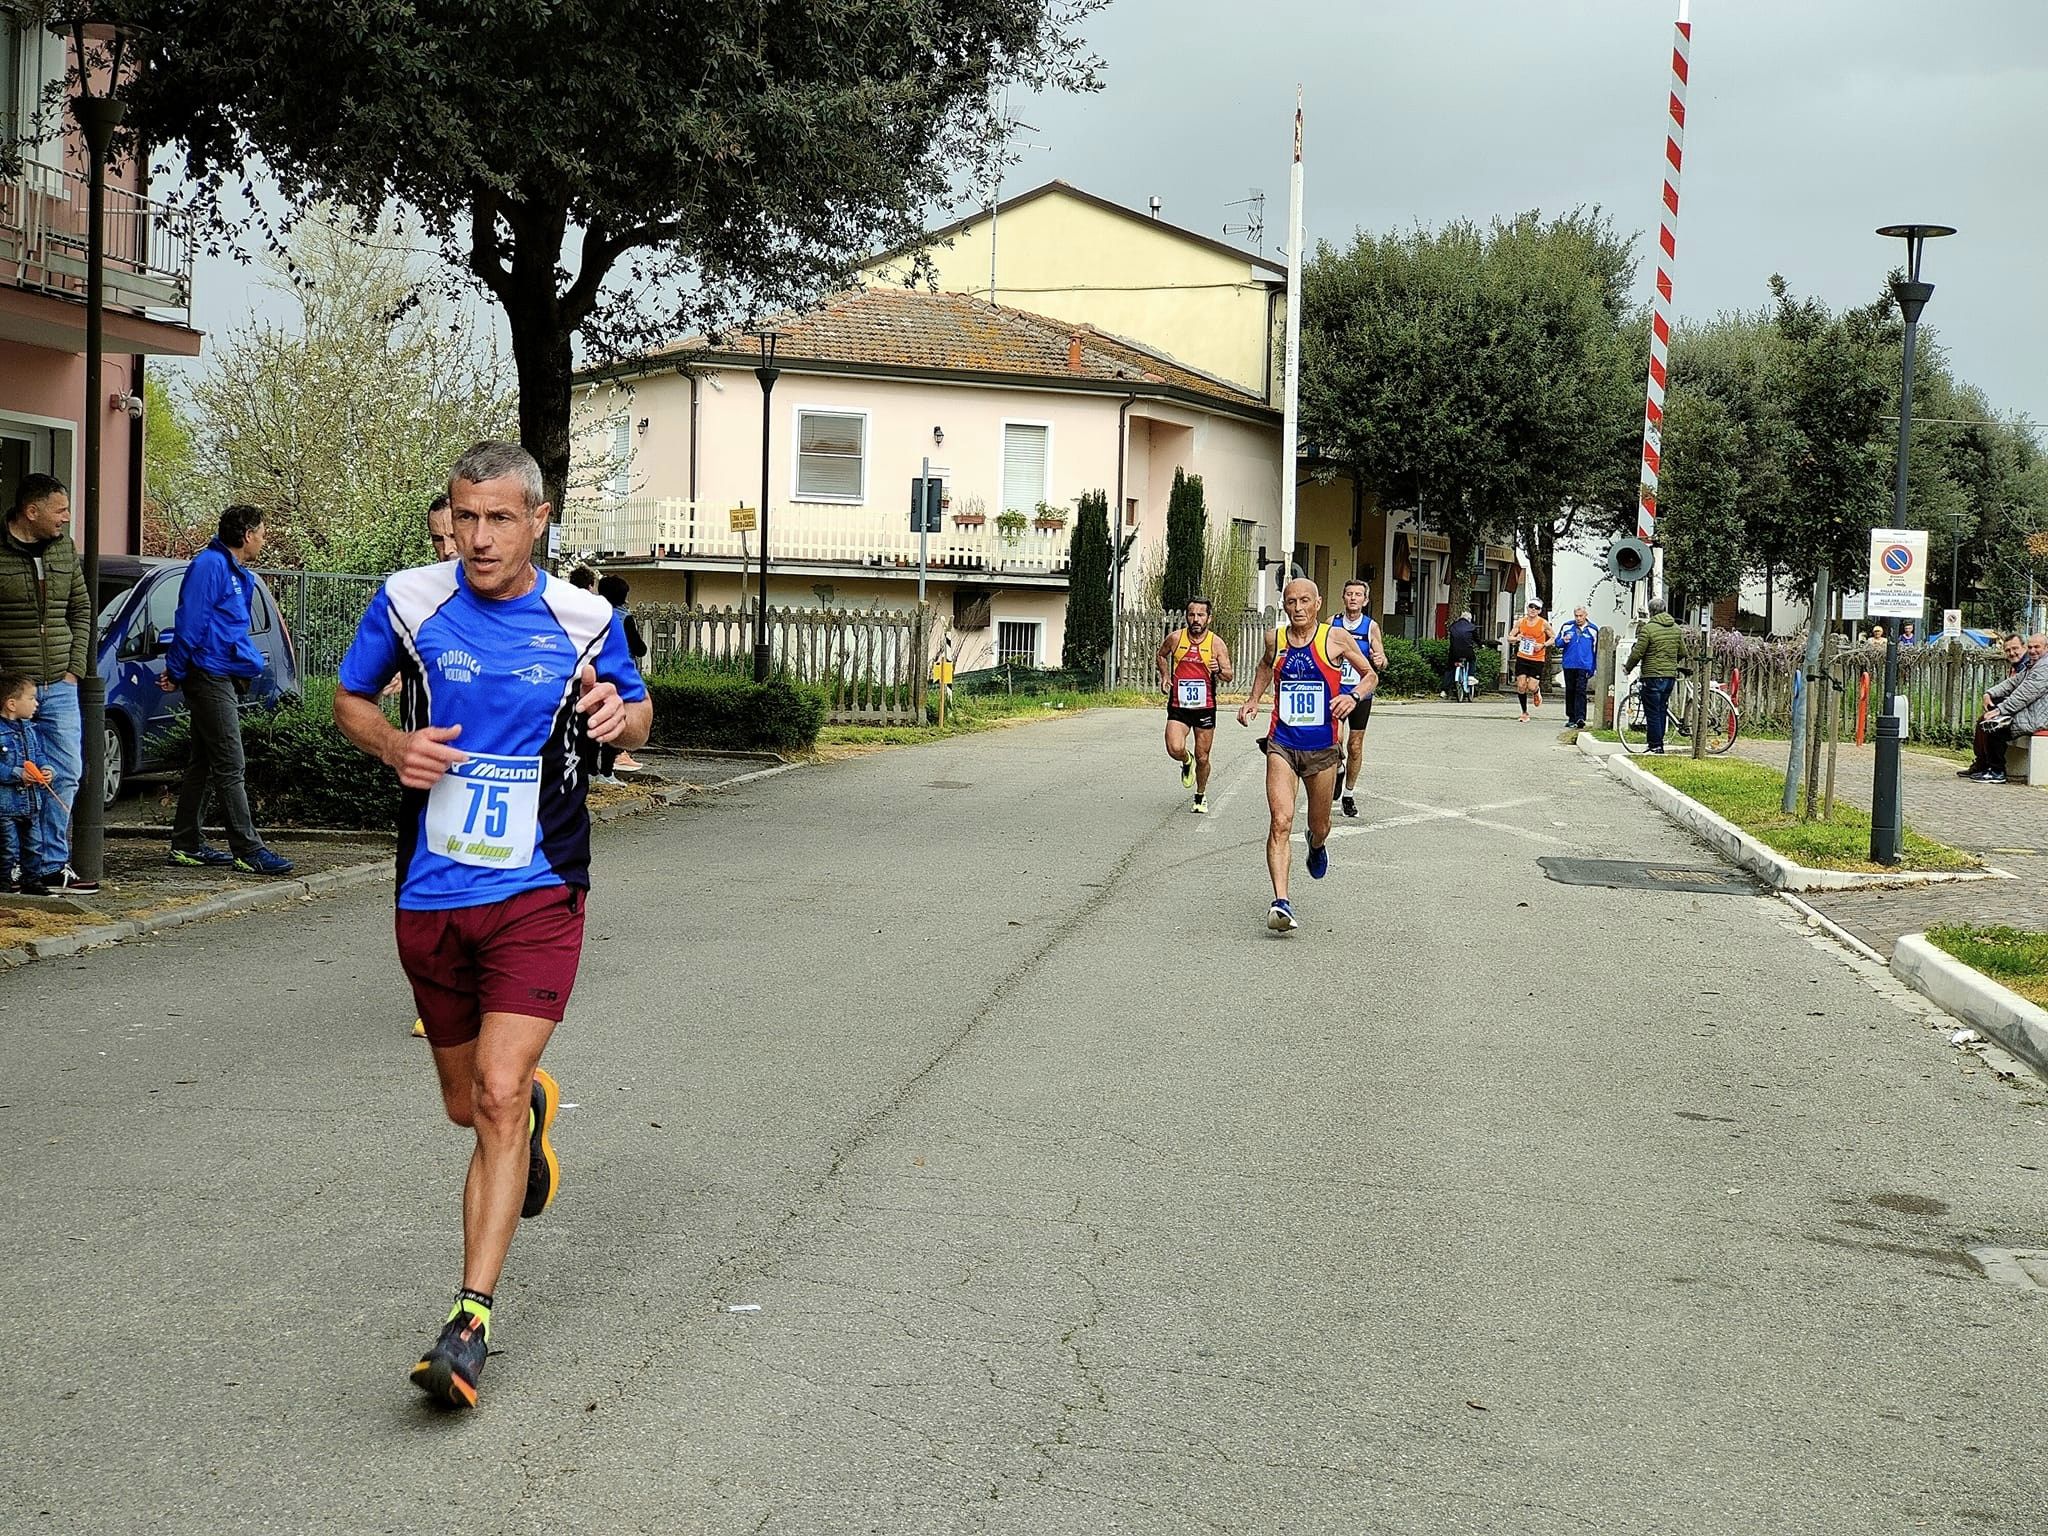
(301, 771)
(1015, 677)
(715, 708)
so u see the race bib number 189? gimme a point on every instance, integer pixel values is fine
(485, 811)
(1301, 703)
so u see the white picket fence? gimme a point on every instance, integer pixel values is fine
(874, 662)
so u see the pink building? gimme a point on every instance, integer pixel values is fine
(42, 294)
(1018, 415)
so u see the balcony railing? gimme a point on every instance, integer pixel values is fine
(43, 240)
(876, 538)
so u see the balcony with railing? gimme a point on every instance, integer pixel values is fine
(845, 539)
(43, 243)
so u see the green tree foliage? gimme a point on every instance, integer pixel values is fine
(1488, 379)
(342, 426)
(178, 511)
(1088, 615)
(1187, 531)
(611, 173)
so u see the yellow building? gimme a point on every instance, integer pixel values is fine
(1059, 251)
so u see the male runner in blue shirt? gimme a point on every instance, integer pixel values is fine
(507, 676)
(1365, 630)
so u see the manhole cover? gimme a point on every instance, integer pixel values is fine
(1635, 875)
(2026, 1268)
(947, 784)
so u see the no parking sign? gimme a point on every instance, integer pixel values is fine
(1898, 573)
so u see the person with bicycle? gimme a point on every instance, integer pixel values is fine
(1659, 650)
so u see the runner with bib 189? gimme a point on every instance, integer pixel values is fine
(508, 676)
(1192, 661)
(1303, 664)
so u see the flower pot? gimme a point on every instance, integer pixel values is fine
(968, 519)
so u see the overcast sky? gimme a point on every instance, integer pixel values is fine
(1810, 123)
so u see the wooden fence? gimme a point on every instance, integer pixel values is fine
(873, 662)
(1944, 685)
(1141, 632)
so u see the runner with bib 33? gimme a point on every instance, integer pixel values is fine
(508, 676)
(1303, 664)
(1193, 660)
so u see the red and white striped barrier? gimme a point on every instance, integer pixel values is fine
(1667, 266)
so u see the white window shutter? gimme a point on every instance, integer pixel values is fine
(831, 456)
(1024, 455)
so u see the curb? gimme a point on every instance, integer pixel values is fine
(1739, 848)
(661, 799)
(1973, 997)
(283, 893)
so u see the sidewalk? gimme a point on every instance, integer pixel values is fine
(2006, 825)
(140, 893)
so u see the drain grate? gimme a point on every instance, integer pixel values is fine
(1635, 875)
(2026, 1268)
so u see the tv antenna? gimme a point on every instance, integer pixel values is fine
(1254, 226)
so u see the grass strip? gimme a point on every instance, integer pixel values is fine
(1748, 795)
(2012, 957)
(982, 712)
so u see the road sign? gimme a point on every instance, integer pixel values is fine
(1952, 623)
(744, 520)
(930, 491)
(1898, 573)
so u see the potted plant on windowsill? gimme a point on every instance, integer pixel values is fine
(1049, 519)
(1010, 523)
(972, 514)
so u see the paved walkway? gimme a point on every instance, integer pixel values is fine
(2005, 825)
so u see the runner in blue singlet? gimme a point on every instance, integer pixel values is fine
(507, 677)
(1301, 663)
(1363, 628)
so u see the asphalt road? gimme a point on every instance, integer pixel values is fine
(1060, 1195)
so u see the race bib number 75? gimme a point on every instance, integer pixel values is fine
(485, 811)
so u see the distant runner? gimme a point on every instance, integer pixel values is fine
(508, 675)
(1531, 638)
(1193, 660)
(1362, 627)
(1303, 659)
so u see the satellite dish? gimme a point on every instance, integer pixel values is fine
(1628, 561)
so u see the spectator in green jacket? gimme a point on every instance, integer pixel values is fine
(45, 626)
(1659, 648)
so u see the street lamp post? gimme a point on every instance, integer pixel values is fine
(1887, 813)
(767, 373)
(98, 116)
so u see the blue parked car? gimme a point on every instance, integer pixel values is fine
(138, 605)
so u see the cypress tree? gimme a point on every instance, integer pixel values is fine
(1088, 617)
(1187, 531)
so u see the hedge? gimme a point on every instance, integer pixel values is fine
(301, 771)
(1421, 667)
(703, 708)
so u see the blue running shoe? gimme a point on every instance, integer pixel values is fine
(1318, 862)
(198, 858)
(263, 862)
(1281, 918)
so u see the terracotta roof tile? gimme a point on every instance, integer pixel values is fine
(901, 327)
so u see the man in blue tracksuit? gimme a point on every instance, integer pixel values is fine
(1577, 643)
(213, 659)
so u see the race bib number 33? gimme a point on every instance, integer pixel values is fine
(485, 812)
(1193, 693)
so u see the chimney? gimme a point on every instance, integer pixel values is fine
(1074, 353)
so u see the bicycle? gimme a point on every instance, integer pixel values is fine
(1724, 719)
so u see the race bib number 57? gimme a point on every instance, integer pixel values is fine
(485, 811)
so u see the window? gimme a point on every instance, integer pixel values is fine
(1026, 451)
(1017, 640)
(621, 483)
(831, 456)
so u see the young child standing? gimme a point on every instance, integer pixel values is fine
(17, 781)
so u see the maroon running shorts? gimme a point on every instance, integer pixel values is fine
(513, 956)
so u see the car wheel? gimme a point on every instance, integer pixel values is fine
(115, 765)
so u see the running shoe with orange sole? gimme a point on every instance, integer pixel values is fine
(544, 1170)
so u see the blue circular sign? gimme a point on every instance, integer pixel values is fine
(1897, 559)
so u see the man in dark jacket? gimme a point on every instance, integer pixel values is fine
(1659, 650)
(45, 627)
(1464, 637)
(213, 659)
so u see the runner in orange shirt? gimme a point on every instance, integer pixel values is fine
(1532, 638)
